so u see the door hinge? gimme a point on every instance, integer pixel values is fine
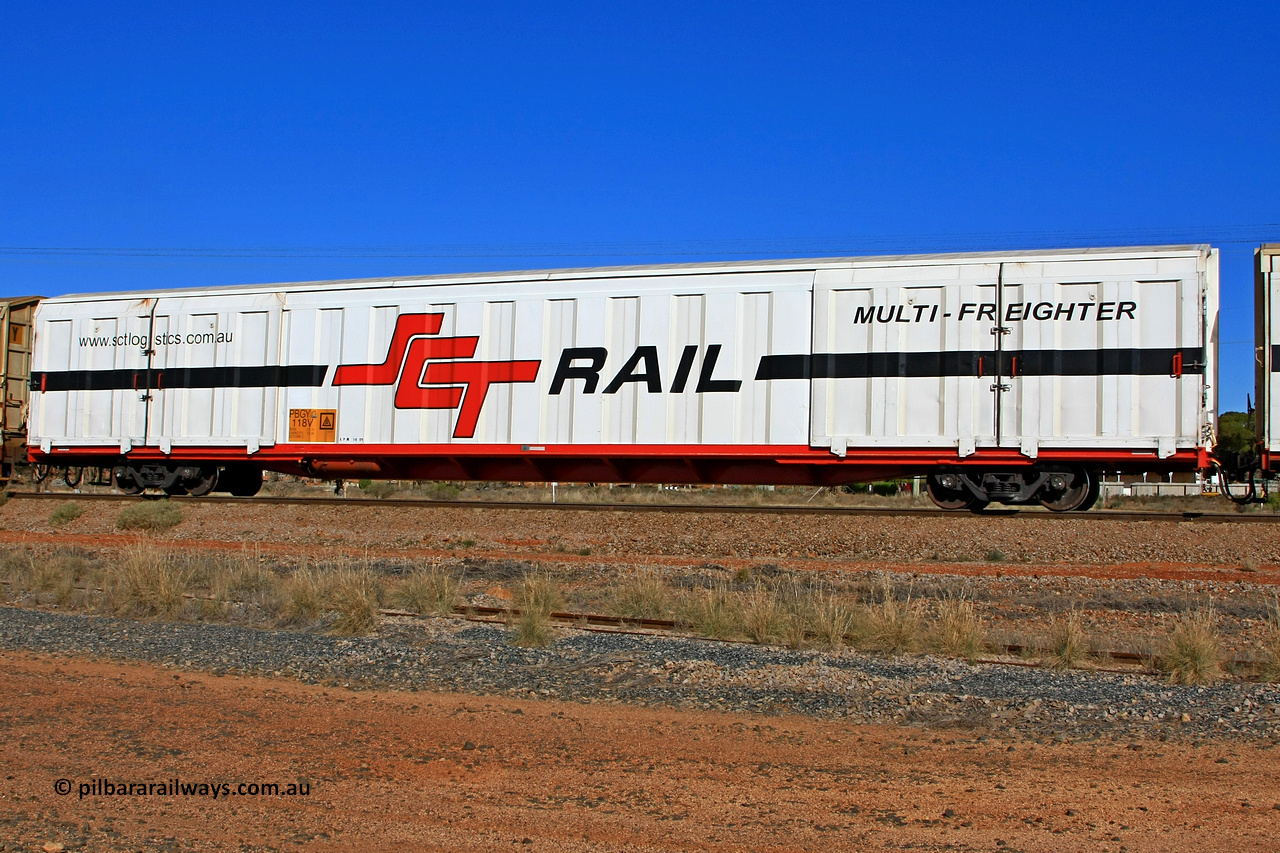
(1001, 330)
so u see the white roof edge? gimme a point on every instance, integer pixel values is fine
(780, 265)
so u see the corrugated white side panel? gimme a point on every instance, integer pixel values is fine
(791, 320)
(100, 406)
(558, 334)
(525, 398)
(588, 409)
(54, 414)
(902, 310)
(688, 329)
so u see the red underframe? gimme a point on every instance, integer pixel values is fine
(614, 463)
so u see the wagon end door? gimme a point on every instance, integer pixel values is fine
(1104, 353)
(1267, 320)
(904, 357)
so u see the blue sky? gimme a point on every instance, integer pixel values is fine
(188, 144)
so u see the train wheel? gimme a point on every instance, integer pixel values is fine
(243, 482)
(1079, 496)
(176, 490)
(951, 496)
(204, 484)
(72, 476)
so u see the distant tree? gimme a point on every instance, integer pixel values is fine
(1235, 432)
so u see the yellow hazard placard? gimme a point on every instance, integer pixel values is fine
(313, 425)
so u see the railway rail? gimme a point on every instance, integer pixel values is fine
(669, 627)
(782, 509)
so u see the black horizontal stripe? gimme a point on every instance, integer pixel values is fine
(1275, 358)
(272, 376)
(1105, 362)
(1039, 362)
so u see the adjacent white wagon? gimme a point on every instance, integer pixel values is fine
(1003, 376)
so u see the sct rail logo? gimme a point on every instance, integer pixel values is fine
(423, 382)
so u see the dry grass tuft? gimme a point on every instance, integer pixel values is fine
(835, 623)
(429, 590)
(301, 598)
(895, 628)
(644, 595)
(536, 599)
(153, 516)
(244, 580)
(147, 581)
(1269, 664)
(66, 576)
(355, 594)
(958, 630)
(1067, 647)
(1190, 654)
(18, 568)
(65, 513)
(799, 608)
(715, 612)
(763, 618)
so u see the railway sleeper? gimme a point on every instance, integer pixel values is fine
(1060, 489)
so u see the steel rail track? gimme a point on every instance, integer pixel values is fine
(783, 509)
(640, 626)
(669, 627)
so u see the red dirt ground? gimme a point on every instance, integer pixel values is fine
(394, 768)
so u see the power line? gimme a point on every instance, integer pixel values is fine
(836, 245)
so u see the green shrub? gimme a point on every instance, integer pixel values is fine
(380, 489)
(65, 513)
(152, 516)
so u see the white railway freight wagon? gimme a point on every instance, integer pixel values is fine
(1013, 377)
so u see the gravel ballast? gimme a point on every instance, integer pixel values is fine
(457, 656)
